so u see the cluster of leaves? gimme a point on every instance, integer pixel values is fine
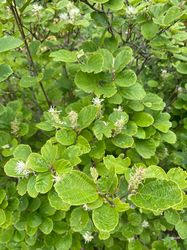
(93, 124)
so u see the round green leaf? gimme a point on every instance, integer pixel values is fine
(44, 182)
(78, 219)
(123, 58)
(63, 55)
(22, 151)
(143, 119)
(47, 226)
(146, 148)
(126, 78)
(87, 115)
(105, 218)
(76, 188)
(9, 42)
(66, 136)
(157, 195)
(5, 71)
(37, 163)
(134, 92)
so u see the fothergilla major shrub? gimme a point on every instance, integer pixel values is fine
(93, 125)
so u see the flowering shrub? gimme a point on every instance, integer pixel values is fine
(93, 124)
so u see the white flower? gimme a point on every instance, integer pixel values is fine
(5, 146)
(36, 7)
(96, 101)
(88, 237)
(56, 178)
(55, 115)
(74, 13)
(145, 224)
(119, 109)
(131, 10)
(130, 239)
(64, 16)
(21, 168)
(85, 207)
(164, 71)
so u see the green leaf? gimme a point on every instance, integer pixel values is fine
(108, 59)
(179, 176)
(172, 14)
(181, 228)
(86, 82)
(66, 136)
(86, 116)
(2, 217)
(2, 195)
(143, 119)
(37, 163)
(105, 218)
(28, 81)
(64, 243)
(126, 78)
(44, 182)
(22, 151)
(34, 220)
(123, 58)
(83, 145)
(115, 5)
(101, 128)
(162, 122)
(119, 164)
(155, 172)
(100, 1)
(63, 55)
(181, 67)
(172, 216)
(123, 141)
(49, 152)
(153, 102)
(47, 226)
(145, 148)
(31, 187)
(78, 219)
(169, 137)
(76, 188)
(5, 72)
(157, 195)
(134, 92)
(93, 64)
(149, 29)
(9, 42)
(56, 202)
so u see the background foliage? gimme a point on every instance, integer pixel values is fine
(93, 124)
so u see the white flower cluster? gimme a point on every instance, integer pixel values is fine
(55, 115)
(36, 8)
(56, 178)
(21, 168)
(97, 102)
(145, 224)
(88, 237)
(85, 207)
(119, 124)
(131, 10)
(119, 109)
(73, 117)
(136, 179)
(72, 13)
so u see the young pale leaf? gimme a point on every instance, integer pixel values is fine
(105, 218)
(169, 137)
(37, 163)
(63, 55)
(31, 187)
(126, 78)
(86, 116)
(172, 14)
(143, 119)
(181, 228)
(149, 29)
(47, 226)
(157, 195)
(115, 5)
(162, 122)
(78, 219)
(119, 164)
(56, 202)
(11, 168)
(155, 172)
(76, 188)
(49, 152)
(22, 152)
(5, 71)
(44, 182)
(123, 141)
(94, 63)
(146, 148)
(86, 82)
(83, 145)
(134, 92)
(66, 136)
(9, 42)
(179, 176)
(123, 58)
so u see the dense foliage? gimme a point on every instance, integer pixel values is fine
(93, 125)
